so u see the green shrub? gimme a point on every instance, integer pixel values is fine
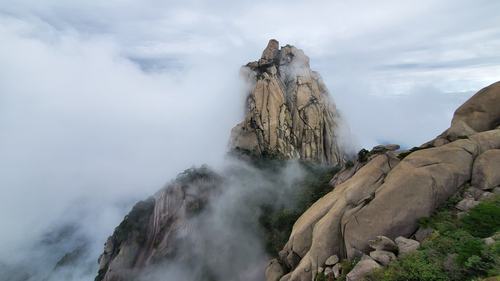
(363, 155)
(416, 266)
(277, 221)
(346, 266)
(320, 277)
(483, 220)
(455, 251)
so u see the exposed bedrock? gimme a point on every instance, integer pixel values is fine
(288, 112)
(151, 232)
(387, 196)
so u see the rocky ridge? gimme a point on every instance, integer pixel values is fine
(385, 192)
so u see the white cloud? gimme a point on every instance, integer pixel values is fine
(80, 122)
(104, 101)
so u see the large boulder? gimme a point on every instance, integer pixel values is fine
(333, 260)
(387, 196)
(362, 269)
(406, 245)
(383, 257)
(274, 271)
(383, 243)
(486, 171)
(478, 114)
(466, 204)
(289, 113)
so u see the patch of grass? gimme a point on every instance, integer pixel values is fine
(417, 266)
(484, 220)
(455, 251)
(347, 265)
(320, 277)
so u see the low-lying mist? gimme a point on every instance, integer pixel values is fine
(235, 234)
(103, 103)
(85, 133)
(230, 239)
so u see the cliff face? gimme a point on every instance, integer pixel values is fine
(386, 192)
(150, 233)
(288, 111)
(289, 116)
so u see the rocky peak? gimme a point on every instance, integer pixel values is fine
(288, 113)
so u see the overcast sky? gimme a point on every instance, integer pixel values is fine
(104, 101)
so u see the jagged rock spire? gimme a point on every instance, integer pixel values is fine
(289, 114)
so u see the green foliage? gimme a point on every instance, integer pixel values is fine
(193, 175)
(416, 266)
(133, 226)
(314, 185)
(484, 220)
(346, 265)
(320, 277)
(455, 251)
(263, 160)
(277, 221)
(363, 155)
(277, 225)
(135, 223)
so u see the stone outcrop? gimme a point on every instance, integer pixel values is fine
(388, 192)
(289, 113)
(149, 233)
(382, 243)
(365, 266)
(478, 114)
(406, 246)
(383, 257)
(486, 170)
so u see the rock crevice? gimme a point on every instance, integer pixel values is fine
(288, 112)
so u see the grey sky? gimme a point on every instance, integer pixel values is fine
(104, 101)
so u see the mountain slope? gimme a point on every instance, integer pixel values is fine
(387, 196)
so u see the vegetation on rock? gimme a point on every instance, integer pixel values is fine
(455, 251)
(277, 221)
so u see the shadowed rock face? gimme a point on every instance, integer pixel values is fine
(150, 232)
(386, 196)
(288, 111)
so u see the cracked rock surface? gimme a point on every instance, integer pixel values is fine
(288, 111)
(387, 196)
